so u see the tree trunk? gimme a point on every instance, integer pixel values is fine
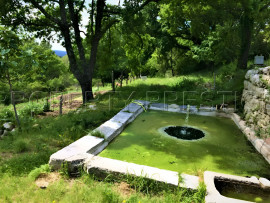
(87, 92)
(246, 26)
(113, 82)
(61, 106)
(172, 63)
(121, 79)
(13, 102)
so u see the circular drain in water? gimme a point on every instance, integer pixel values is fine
(184, 133)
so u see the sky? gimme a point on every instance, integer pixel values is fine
(85, 16)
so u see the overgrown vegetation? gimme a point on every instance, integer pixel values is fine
(192, 53)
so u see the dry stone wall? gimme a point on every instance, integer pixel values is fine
(257, 101)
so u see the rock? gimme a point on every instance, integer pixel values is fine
(8, 126)
(253, 178)
(267, 141)
(5, 133)
(35, 125)
(92, 107)
(264, 182)
(174, 106)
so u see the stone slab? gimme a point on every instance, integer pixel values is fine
(122, 117)
(159, 106)
(93, 145)
(264, 182)
(132, 108)
(204, 111)
(190, 181)
(110, 129)
(161, 175)
(86, 144)
(213, 194)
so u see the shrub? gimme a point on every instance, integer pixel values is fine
(34, 174)
(97, 134)
(188, 84)
(7, 115)
(21, 146)
(24, 163)
(227, 71)
(46, 106)
(199, 196)
(110, 196)
(5, 95)
(31, 109)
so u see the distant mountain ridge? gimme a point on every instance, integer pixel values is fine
(60, 53)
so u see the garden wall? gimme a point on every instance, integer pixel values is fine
(256, 98)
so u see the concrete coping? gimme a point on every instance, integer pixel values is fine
(100, 164)
(86, 144)
(203, 110)
(93, 145)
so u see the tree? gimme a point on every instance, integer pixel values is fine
(255, 16)
(10, 55)
(63, 17)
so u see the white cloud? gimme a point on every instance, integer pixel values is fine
(114, 2)
(57, 46)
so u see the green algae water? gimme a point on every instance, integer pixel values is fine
(248, 196)
(243, 191)
(223, 149)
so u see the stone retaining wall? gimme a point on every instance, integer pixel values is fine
(257, 101)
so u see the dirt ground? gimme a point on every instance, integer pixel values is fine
(124, 189)
(71, 102)
(45, 179)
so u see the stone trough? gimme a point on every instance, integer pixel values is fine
(83, 152)
(213, 195)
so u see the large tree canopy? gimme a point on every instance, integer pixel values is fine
(63, 18)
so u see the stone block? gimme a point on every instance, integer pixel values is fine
(86, 144)
(159, 106)
(250, 73)
(8, 126)
(122, 117)
(110, 129)
(120, 167)
(264, 182)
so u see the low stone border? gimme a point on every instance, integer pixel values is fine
(203, 111)
(83, 151)
(100, 164)
(213, 194)
(260, 145)
(93, 145)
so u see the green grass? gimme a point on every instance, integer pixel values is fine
(223, 149)
(171, 90)
(22, 153)
(84, 189)
(40, 138)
